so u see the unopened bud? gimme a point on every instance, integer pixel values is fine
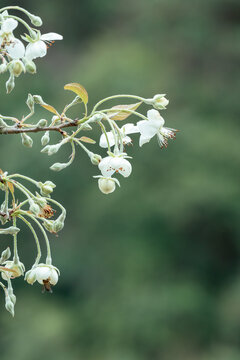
(59, 166)
(35, 20)
(5, 255)
(12, 230)
(30, 66)
(30, 276)
(10, 84)
(95, 159)
(42, 123)
(17, 67)
(51, 149)
(45, 138)
(48, 224)
(30, 102)
(26, 140)
(46, 188)
(34, 208)
(9, 305)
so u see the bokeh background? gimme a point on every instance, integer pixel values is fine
(150, 272)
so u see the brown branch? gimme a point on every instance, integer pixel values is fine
(19, 130)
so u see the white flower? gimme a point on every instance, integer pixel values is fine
(18, 269)
(13, 46)
(107, 184)
(125, 129)
(154, 126)
(38, 48)
(46, 275)
(116, 163)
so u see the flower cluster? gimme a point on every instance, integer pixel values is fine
(35, 209)
(17, 57)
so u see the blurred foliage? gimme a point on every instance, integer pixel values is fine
(151, 271)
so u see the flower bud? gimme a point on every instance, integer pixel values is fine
(34, 208)
(59, 166)
(106, 185)
(26, 140)
(95, 118)
(30, 102)
(45, 138)
(58, 224)
(35, 20)
(55, 120)
(12, 230)
(41, 201)
(10, 84)
(48, 224)
(9, 304)
(46, 188)
(30, 276)
(5, 255)
(42, 123)
(95, 159)
(51, 149)
(17, 67)
(38, 100)
(30, 66)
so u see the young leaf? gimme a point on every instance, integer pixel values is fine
(87, 140)
(121, 114)
(11, 188)
(79, 90)
(50, 108)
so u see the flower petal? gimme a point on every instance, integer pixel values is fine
(143, 140)
(155, 118)
(16, 49)
(9, 25)
(51, 37)
(147, 129)
(103, 140)
(36, 49)
(105, 167)
(129, 129)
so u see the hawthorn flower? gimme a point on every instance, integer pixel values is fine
(46, 275)
(38, 47)
(125, 130)
(13, 46)
(107, 184)
(154, 126)
(115, 163)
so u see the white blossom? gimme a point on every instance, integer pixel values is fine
(44, 274)
(125, 130)
(154, 126)
(38, 48)
(115, 163)
(13, 46)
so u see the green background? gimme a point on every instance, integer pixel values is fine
(150, 272)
